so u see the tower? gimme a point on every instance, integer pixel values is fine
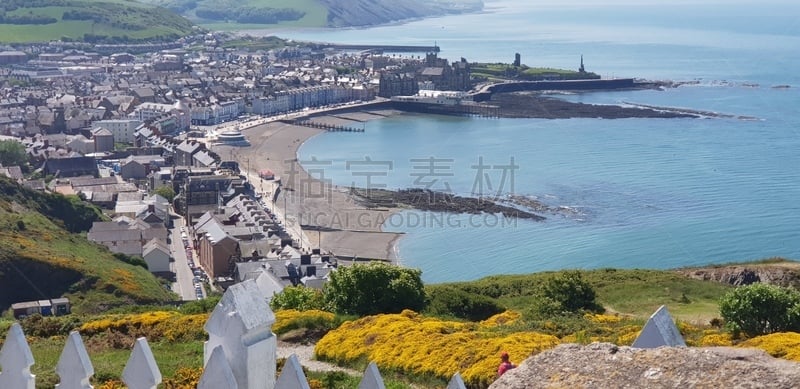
(582, 69)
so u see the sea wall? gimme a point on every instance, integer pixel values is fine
(566, 85)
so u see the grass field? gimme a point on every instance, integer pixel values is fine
(498, 71)
(108, 362)
(633, 293)
(153, 22)
(316, 15)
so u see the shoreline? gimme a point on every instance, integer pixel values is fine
(329, 217)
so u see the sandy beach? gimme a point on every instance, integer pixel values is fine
(331, 219)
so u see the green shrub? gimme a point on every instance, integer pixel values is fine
(451, 301)
(131, 259)
(759, 309)
(571, 292)
(376, 287)
(47, 326)
(205, 305)
(299, 298)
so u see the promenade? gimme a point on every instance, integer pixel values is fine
(303, 199)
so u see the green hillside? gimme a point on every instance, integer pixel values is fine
(103, 21)
(501, 71)
(632, 292)
(44, 254)
(263, 14)
(248, 14)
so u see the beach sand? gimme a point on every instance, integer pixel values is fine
(345, 228)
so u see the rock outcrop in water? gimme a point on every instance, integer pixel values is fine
(427, 200)
(534, 105)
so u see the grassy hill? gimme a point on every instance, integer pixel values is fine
(631, 292)
(248, 14)
(88, 20)
(501, 71)
(261, 14)
(44, 254)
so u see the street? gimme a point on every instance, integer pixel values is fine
(184, 285)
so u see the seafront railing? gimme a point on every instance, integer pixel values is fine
(240, 353)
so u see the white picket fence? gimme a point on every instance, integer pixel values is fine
(240, 354)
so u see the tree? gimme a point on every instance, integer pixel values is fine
(758, 309)
(571, 292)
(376, 287)
(299, 298)
(166, 192)
(12, 153)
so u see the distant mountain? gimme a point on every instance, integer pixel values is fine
(96, 21)
(44, 254)
(232, 14)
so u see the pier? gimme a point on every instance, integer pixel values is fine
(324, 126)
(485, 92)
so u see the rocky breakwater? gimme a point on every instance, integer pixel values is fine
(536, 105)
(604, 365)
(432, 201)
(779, 272)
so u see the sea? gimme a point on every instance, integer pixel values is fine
(629, 193)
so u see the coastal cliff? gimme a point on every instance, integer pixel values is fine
(372, 12)
(776, 272)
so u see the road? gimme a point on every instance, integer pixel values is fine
(253, 121)
(184, 285)
(267, 188)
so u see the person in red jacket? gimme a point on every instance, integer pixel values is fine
(505, 364)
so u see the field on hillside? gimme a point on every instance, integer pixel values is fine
(41, 259)
(507, 71)
(112, 20)
(634, 293)
(314, 13)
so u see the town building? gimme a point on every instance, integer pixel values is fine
(122, 129)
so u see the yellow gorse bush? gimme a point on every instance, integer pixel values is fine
(289, 319)
(784, 345)
(713, 338)
(155, 325)
(501, 319)
(419, 345)
(185, 378)
(602, 319)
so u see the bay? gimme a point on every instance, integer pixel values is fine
(647, 193)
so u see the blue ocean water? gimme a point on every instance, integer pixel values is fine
(647, 193)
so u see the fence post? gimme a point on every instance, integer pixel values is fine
(74, 366)
(141, 371)
(456, 382)
(292, 376)
(217, 373)
(16, 360)
(372, 378)
(242, 324)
